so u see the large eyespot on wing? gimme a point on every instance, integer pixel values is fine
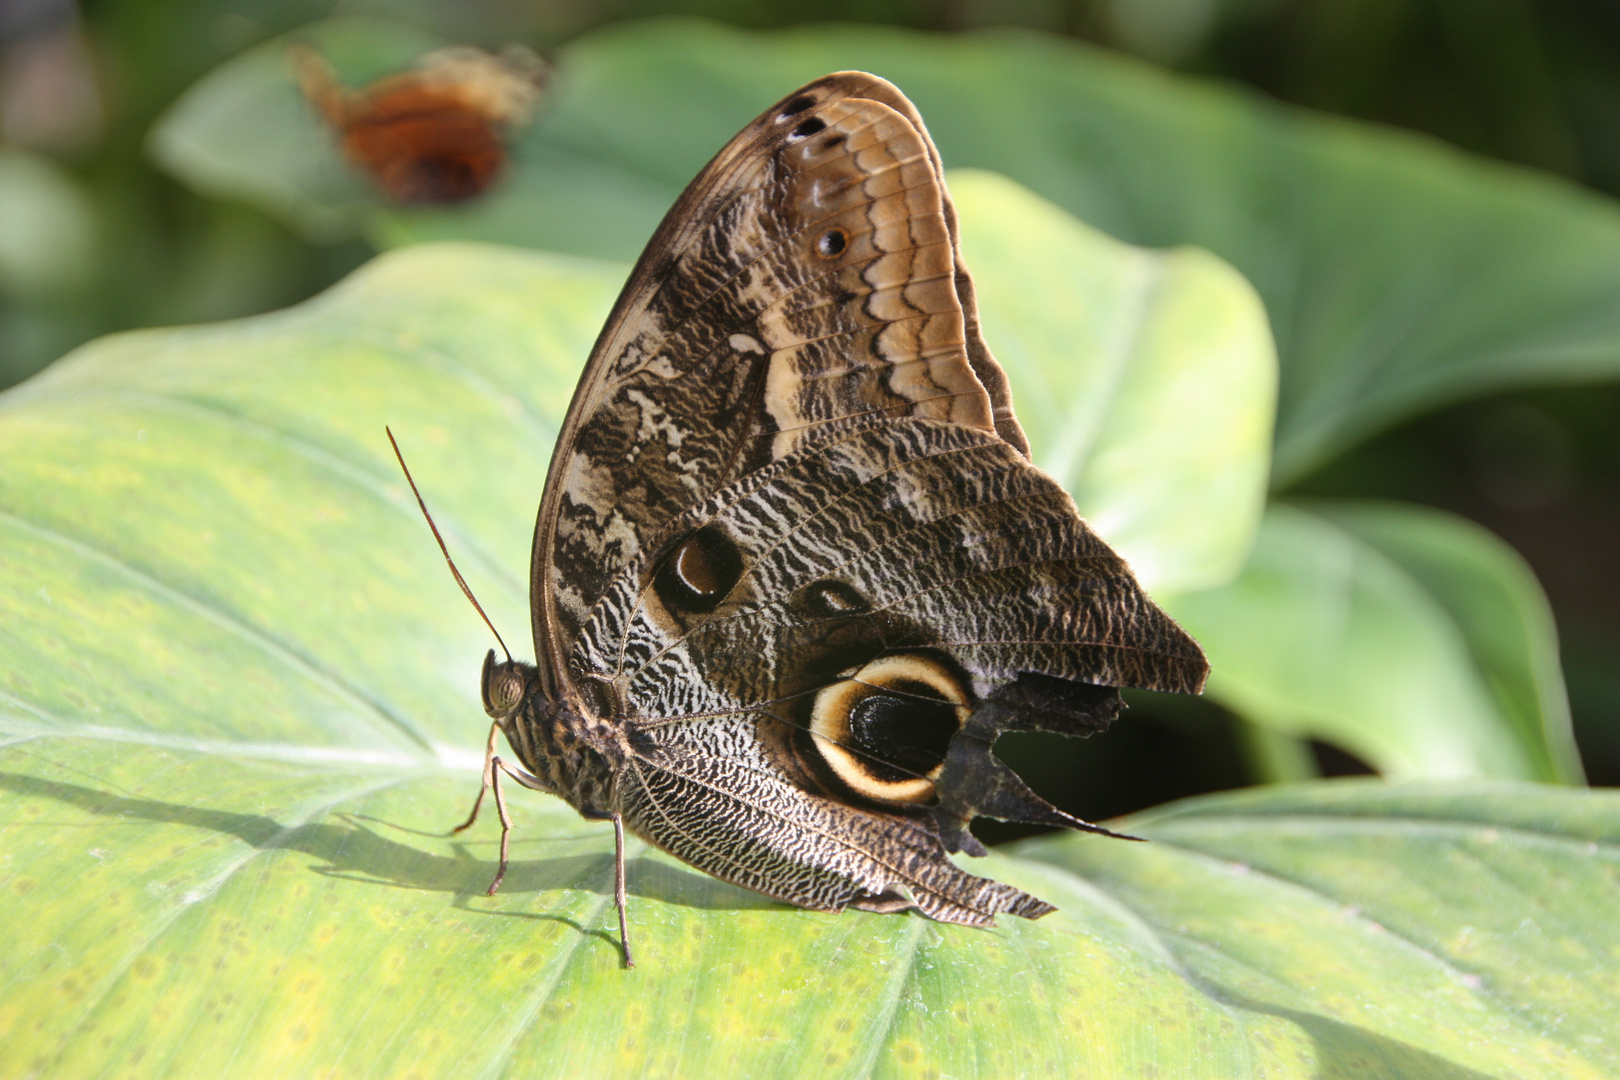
(884, 731)
(808, 278)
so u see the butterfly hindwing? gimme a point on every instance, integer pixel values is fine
(840, 636)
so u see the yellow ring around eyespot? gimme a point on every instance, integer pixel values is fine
(829, 722)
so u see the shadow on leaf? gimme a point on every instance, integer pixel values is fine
(1347, 1052)
(353, 851)
(1343, 1051)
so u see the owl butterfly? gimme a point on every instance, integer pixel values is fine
(794, 571)
(436, 133)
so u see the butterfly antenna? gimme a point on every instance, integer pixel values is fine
(468, 593)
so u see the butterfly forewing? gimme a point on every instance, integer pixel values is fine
(809, 275)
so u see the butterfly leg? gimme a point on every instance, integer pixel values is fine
(506, 824)
(493, 767)
(534, 783)
(489, 779)
(618, 873)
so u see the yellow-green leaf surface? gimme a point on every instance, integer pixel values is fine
(238, 710)
(1397, 274)
(187, 913)
(1410, 637)
(1381, 930)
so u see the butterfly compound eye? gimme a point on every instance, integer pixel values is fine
(885, 731)
(502, 687)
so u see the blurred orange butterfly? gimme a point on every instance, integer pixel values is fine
(437, 133)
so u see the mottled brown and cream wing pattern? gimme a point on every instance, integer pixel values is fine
(809, 669)
(809, 277)
(794, 571)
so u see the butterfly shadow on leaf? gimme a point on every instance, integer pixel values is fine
(646, 878)
(349, 849)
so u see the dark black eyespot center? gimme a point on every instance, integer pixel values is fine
(809, 127)
(698, 573)
(796, 106)
(903, 734)
(832, 242)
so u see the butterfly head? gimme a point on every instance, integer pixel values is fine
(506, 685)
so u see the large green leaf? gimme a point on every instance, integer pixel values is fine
(1397, 274)
(1379, 931)
(1493, 597)
(219, 611)
(238, 708)
(1408, 636)
(209, 912)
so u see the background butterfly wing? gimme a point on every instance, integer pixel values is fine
(807, 277)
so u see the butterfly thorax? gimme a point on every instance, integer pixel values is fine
(572, 752)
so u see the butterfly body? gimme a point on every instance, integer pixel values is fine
(793, 570)
(566, 753)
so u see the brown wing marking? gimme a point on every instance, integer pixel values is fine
(808, 276)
